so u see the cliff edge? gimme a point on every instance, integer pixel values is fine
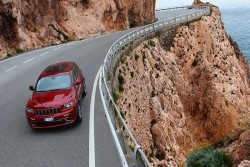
(184, 90)
(26, 24)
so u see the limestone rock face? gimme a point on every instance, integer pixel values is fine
(30, 24)
(240, 150)
(195, 93)
(244, 163)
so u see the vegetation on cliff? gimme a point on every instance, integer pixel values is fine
(194, 89)
(208, 157)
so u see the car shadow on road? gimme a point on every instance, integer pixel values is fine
(60, 129)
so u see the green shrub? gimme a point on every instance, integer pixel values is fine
(120, 87)
(9, 54)
(229, 139)
(109, 75)
(123, 48)
(120, 79)
(145, 46)
(132, 148)
(116, 96)
(208, 157)
(131, 42)
(18, 50)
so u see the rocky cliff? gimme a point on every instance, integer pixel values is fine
(239, 150)
(27, 24)
(185, 89)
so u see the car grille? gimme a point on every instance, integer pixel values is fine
(49, 111)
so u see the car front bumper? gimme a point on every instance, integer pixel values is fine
(58, 120)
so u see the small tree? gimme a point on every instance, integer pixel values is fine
(208, 157)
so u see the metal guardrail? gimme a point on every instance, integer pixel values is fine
(113, 53)
(175, 8)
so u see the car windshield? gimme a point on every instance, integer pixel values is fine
(53, 83)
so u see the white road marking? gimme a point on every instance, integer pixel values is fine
(44, 53)
(57, 48)
(28, 60)
(91, 124)
(11, 68)
(19, 55)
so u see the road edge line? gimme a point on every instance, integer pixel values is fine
(92, 123)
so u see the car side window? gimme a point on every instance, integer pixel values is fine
(75, 73)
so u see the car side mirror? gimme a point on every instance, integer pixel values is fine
(31, 88)
(78, 82)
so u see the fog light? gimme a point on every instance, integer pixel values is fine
(67, 114)
(32, 119)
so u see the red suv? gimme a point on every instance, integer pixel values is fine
(56, 97)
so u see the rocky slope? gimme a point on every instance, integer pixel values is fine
(239, 150)
(185, 92)
(27, 24)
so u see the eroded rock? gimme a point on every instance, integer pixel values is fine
(32, 24)
(194, 94)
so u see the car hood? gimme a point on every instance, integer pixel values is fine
(50, 98)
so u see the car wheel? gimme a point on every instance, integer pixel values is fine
(79, 114)
(84, 93)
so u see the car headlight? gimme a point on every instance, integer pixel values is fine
(29, 110)
(68, 105)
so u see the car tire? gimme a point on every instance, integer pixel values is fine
(78, 114)
(84, 93)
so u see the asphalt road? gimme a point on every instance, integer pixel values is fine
(64, 146)
(161, 15)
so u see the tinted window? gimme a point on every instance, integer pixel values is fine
(59, 68)
(53, 83)
(75, 73)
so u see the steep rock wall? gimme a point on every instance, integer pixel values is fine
(239, 150)
(28, 24)
(195, 93)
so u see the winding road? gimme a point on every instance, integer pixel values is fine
(65, 146)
